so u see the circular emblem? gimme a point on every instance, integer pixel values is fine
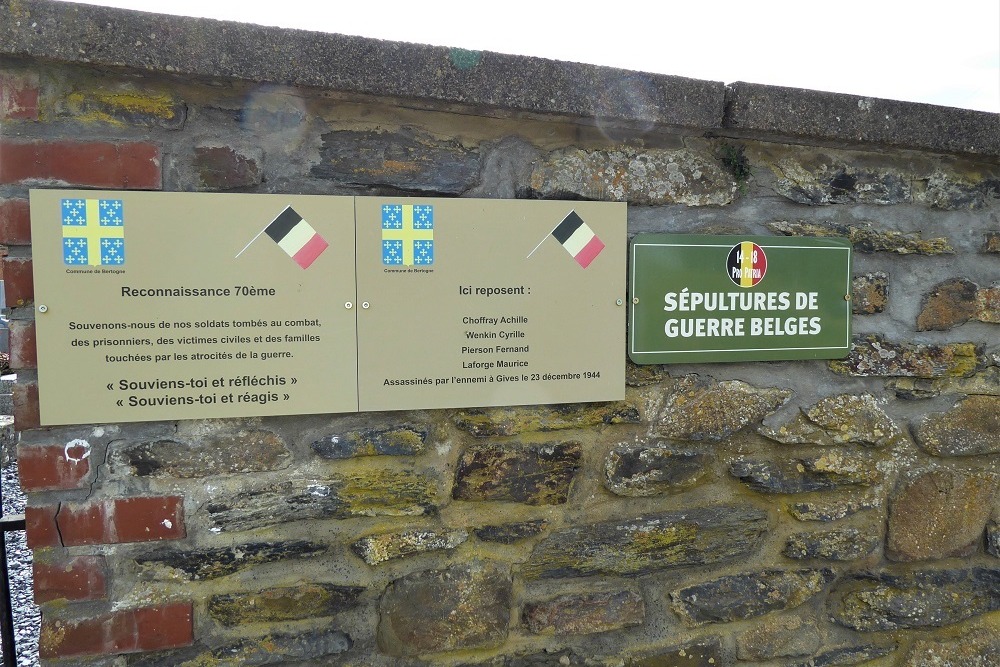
(746, 264)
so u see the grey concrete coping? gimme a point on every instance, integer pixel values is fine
(76, 33)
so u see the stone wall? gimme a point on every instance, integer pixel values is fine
(780, 513)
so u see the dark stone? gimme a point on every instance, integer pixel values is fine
(702, 409)
(181, 657)
(844, 544)
(979, 648)
(398, 441)
(848, 655)
(703, 653)
(222, 561)
(951, 194)
(874, 602)
(866, 237)
(778, 637)
(644, 375)
(488, 422)
(547, 658)
(282, 648)
(377, 549)
(584, 614)
(283, 604)
(366, 493)
(221, 454)
(948, 305)
(971, 428)
(531, 474)
(225, 168)
(803, 475)
(406, 160)
(940, 514)
(742, 596)
(648, 544)
(841, 184)
(993, 539)
(461, 607)
(873, 356)
(653, 470)
(830, 511)
(869, 293)
(509, 533)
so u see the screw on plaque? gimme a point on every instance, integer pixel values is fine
(635, 300)
(348, 305)
(42, 308)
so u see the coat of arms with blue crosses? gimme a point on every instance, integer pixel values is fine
(407, 235)
(93, 232)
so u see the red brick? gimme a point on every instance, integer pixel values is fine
(23, 349)
(40, 526)
(53, 467)
(125, 631)
(142, 519)
(15, 222)
(19, 282)
(25, 397)
(80, 578)
(129, 165)
(18, 97)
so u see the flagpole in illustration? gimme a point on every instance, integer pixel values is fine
(577, 238)
(293, 235)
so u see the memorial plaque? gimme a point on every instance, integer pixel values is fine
(737, 298)
(179, 305)
(490, 302)
(144, 311)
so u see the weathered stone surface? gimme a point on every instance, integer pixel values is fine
(377, 549)
(406, 159)
(873, 356)
(648, 544)
(513, 421)
(283, 604)
(641, 470)
(702, 409)
(991, 242)
(829, 183)
(222, 561)
(949, 304)
(940, 514)
(644, 177)
(986, 383)
(124, 106)
(703, 653)
(843, 544)
(831, 470)
(840, 420)
(778, 637)
(993, 538)
(531, 474)
(971, 428)
(872, 602)
(869, 293)
(977, 649)
(584, 614)
(226, 168)
(848, 655)
(866, 237)
(280, 648)
(741, 596)
(365, 493)
(509, 533)
(222, 454)
(953, 194)
(464, 606)
(406, 440)
(830, 511)
(644, 375)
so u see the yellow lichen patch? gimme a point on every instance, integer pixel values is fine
(115, 107)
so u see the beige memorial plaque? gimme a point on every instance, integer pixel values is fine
(155, 305)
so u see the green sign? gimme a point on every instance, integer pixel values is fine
(738, 298)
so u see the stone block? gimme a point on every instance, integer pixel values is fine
(742, 596)
(833, 470)
(829, 182)
(227, 168)
(224, 453)
(971, 428)
(378, 549)
(461, 607)
(125, 165)
(957, 301)
(584, 613)
(848, 655)
(509, 533)
(703, 409)
(843, 544)
(278, 648)
(979, 648)
(833, 510)
(633, 547)
(641, 470)
(123, 106)
(530, 474)
(840, 420)
(211, 563)
(940, 514)
(705, 652)
(869, 293)
(779, 637)
(487, 422)
(403, 440)
(273, 605)
(873, 355)
(866, 237)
